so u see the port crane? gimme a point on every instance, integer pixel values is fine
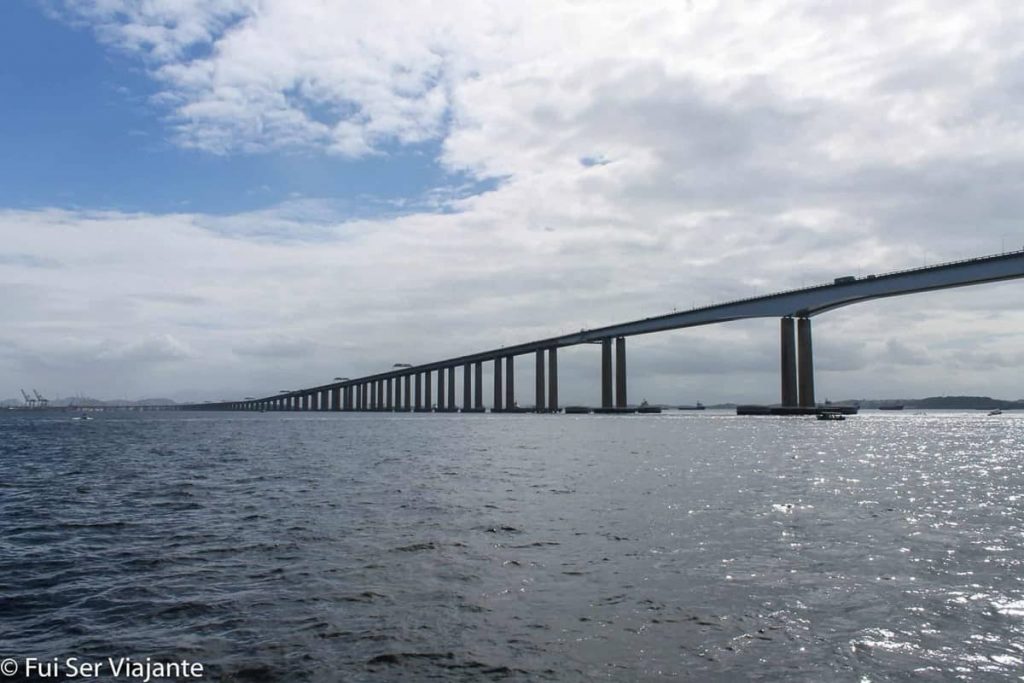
(29, 401)
(40, 401)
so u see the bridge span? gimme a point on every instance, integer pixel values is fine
(409, 388)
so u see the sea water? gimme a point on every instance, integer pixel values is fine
(380, 547)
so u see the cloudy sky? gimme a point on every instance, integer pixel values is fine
(204, 199)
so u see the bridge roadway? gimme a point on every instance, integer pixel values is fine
(393, 390)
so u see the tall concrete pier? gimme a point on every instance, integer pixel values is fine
(606, 373)
(539, 382)
(620, 372)
(553, 379)
(510, 382)
(805, 359)
(478, 387)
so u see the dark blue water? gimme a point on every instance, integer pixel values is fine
(518, 547)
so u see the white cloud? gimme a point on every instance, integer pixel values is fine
(743, 147)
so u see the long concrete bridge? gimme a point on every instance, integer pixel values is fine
(409, 388)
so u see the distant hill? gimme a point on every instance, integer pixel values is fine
(945, 403)
(86, 402)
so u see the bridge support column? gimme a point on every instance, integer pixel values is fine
(478, 386)
(497, 386)
(440, 389)
(606, 373)
(325, 399)
(467, 387)
(788, 364)
(451, 389)
(408, 393)
(389, 403)
(805, 359)
(620, 372)
(305, 401)
(510, 382)
(418, 402)
(553, 380)
(539, 391)
(428, 399)
(336, 399)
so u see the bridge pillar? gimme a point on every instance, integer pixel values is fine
(325, 399)
(451, 389)
(553, 379)
(440, 389)
(788, 363)
(389, 403)
(497, 386)
(336, 398)
(467, 387)
(510, 382)
(620, 372)
(606, 373)
(805, 358)
(478, 386)
(418, 402)
(539, 381)
(428, 399)
(305, 401)
(407, 403)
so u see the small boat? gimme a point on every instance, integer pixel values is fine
(830, 415)
(891, 406)
(995, 412)
(699, 406)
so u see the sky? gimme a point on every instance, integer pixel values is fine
(210, 199)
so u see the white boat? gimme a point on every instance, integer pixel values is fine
(995, 412)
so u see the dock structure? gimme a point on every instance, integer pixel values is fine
(409, 388)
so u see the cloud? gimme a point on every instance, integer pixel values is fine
(28, 261)
(276, 347)
(621, 159)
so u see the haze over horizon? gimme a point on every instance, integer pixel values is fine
(206, 200)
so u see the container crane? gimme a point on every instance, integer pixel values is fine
(29, 401)
(42, 402)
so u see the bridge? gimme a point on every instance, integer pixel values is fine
(409, 388)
